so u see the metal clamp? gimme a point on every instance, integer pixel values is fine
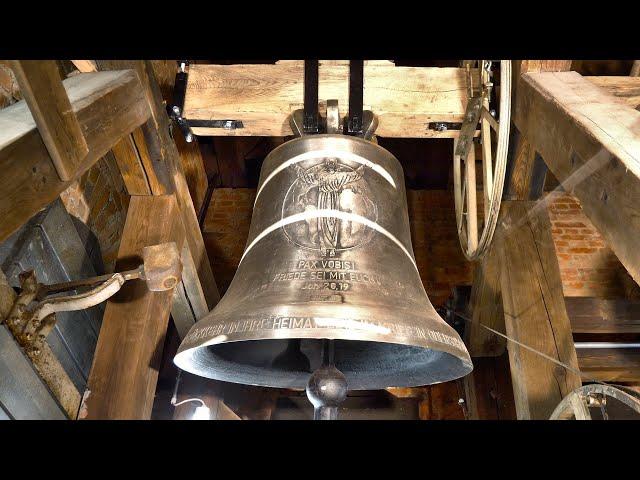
(30, 324)
(176, 108)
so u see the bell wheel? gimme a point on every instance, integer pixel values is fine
(597, 401)
(489, 105)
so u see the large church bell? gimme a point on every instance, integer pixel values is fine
(327, 295)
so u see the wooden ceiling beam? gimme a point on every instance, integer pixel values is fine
(405, 99)
(108, 105)
(590, 141)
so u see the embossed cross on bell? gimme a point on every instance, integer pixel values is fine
(329, 256)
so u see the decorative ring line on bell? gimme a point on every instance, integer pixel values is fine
(327, 153)
(326, 213)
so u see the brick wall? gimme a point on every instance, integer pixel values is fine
(225, 231)
(588, 267)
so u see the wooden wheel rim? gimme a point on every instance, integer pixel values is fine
(575, 403)
(493, 172)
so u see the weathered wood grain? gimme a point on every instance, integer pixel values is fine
(590, 141)
(41, 87)
(405, 99)
(108, 106)
(124, 373)
(534, 312)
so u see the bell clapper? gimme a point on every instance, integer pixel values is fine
(327, 386)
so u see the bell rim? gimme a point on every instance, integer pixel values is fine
(183, 357)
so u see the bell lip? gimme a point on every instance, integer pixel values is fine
(460, 355)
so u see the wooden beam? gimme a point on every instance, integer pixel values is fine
(485, 308)
(130, 158)
(526, 171)
(599, 315)
(626, 89)
(41, 86)
(130, 165)
(164, 153)
(610, 364)
(405, 99)
(591, 142)
(488, 390)
(534, 311)
(108, 106)
(193, 166)
(124, 373)
(85, 66)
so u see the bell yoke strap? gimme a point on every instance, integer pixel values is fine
(329, 213)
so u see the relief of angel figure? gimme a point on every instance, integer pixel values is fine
(330, 178)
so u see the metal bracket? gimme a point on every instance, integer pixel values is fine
(355, 122)
(310, 121)
(175, 110)
(226, 124)
(444, 126)
(468, 129)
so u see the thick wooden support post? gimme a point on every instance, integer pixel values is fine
(123, 377)
(534, 311)
(165, 161)
(108, 106)
(590, 140)
(526, 171)
(41, 86)
(488, 390)
(485, 308)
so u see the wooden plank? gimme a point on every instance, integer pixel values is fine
(485, 308)
(41, 87)
(591, 142)
(125, 151)
(626, 89)
(488, 391)
(131, 167)
(534, 311)
(525, 172)
(599, 315)
(123, 377)
(85, 66)
(167, 152)
(156, 171)
(405, 99)
(108, 106)
(610, 364)
(193, 166)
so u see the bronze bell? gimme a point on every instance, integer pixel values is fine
(329, 256)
